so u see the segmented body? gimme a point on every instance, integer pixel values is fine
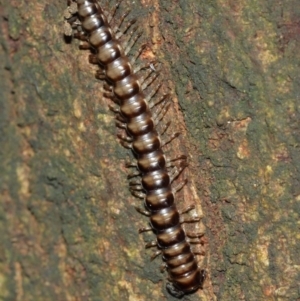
(140, 126)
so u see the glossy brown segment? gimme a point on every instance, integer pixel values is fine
(146, 144)
(155, 180)
(140, 125)
(176, 250)
(152, 161)
(134, 106)
(109, 52)
(165, 218)
(100, 36)
(170, 236)
(92, 23)
(183, 268)
(87, 9)
(181, 259)
(159, 199)
(181, 263)
(118, 69)
(127, 87)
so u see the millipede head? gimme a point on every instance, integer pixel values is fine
(174, 291)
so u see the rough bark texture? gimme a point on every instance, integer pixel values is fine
(68, 230)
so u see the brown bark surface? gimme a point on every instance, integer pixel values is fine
(68, 230)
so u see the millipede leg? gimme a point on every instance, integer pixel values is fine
(193, 241)
(161, 112)
(125, 41)
(100, 74)
(136, 188)
(111, 14)
(135, 182)
(121, 119)
(152, 93)
(179, 186)
(132, 42)
(107, 87)
(125, 30)
(138, 194)
(137, 54)
(195, 234)
(175, 172)
(151, 244)
(125, 138)
(149, 77)
(84, 45)
(145, 229)
(150, 80)
(117, 27)
(170, 161)
(203, 274)
(121, 125)
(167, 141)
(115, 109)
(163, 266)
(155, 254)
(140, 67)
(126, 144)
(81, 36)
(162, 99)
(134, 173)
(164, 128)
(187, 209)
(130, 163)
(143, 78)
(111, 96)
(196, 252)
(190, 219)
(93, 59)
(144, 212)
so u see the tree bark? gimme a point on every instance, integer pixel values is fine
(68, 228)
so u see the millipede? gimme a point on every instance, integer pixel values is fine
(139, 114)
